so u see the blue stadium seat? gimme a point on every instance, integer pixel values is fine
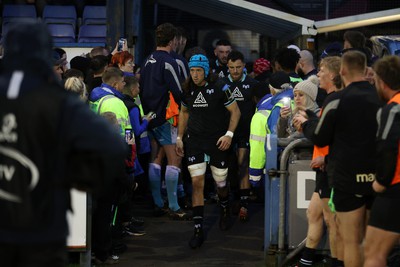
(53, 14)
(12, 13)
(94, 15)
(16, 13)
(62, 33)
(92, 34)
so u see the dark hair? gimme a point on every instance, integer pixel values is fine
(355, 61)
(130, 80)
(60, 51)
(111, 73)
(188, 84)
(355, 38)
(98, 50)
(165, 33)
(181, 32)
(223, 42)
(287, 58)
(73, 73)
(194, 51)
(388, 70)
(235, 55)
(260, 90)
(98, 63)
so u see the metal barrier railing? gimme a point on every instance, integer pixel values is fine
(276, 193)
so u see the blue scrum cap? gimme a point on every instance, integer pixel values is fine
(200, 61)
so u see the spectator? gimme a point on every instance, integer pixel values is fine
(56, 139)
(305, 94)
(77, 86)
(262, 69)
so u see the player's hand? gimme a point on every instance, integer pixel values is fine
(378, 187)
(224, 142)
(179, 147)
(318, 162)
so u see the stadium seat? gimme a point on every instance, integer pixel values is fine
(94, 15)
(92, 34)
(59, 15)
(16, 13)
(13, 13)
(62, 33)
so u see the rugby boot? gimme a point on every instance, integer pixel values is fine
(197, 239)
(243, 214)
(224, 219)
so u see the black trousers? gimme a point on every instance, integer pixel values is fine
(33, 255)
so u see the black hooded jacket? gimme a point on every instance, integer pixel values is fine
(49, 142)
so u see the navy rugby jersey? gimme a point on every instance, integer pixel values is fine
(158, 76)
(208, 116)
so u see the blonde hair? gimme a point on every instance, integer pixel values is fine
(76, 85)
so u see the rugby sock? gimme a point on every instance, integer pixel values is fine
(198, 213)
(307, 257)
(155, 183)
(338, 263)
(244, 197)
(171, 179)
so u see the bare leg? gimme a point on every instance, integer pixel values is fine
(329, 218)
(352, 226)
(378, 244)
(315, 222)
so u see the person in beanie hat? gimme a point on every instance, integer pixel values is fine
(261, 69)
(305, 94)
(207, 122)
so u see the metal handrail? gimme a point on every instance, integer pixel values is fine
(290, 145)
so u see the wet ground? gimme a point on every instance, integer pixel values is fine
(166, 241)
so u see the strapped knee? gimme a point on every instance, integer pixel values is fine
(197, 169)
(219, 176)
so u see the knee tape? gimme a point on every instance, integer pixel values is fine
(219, 175)
(197, 169)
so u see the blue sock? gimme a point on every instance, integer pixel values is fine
(155, 183)
(171, 179)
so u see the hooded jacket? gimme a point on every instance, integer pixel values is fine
(49, 142)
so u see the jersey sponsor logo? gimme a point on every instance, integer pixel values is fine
(191, 159)
(365, 177)
(221, 74)
(237, 94)
(200, 101)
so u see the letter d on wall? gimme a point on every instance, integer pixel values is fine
(302, 177)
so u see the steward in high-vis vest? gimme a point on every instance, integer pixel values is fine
(264, 122)
(107, 98)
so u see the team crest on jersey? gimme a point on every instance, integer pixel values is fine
(237, 94)
(210, 91)
(246, 86)
(200, 101)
